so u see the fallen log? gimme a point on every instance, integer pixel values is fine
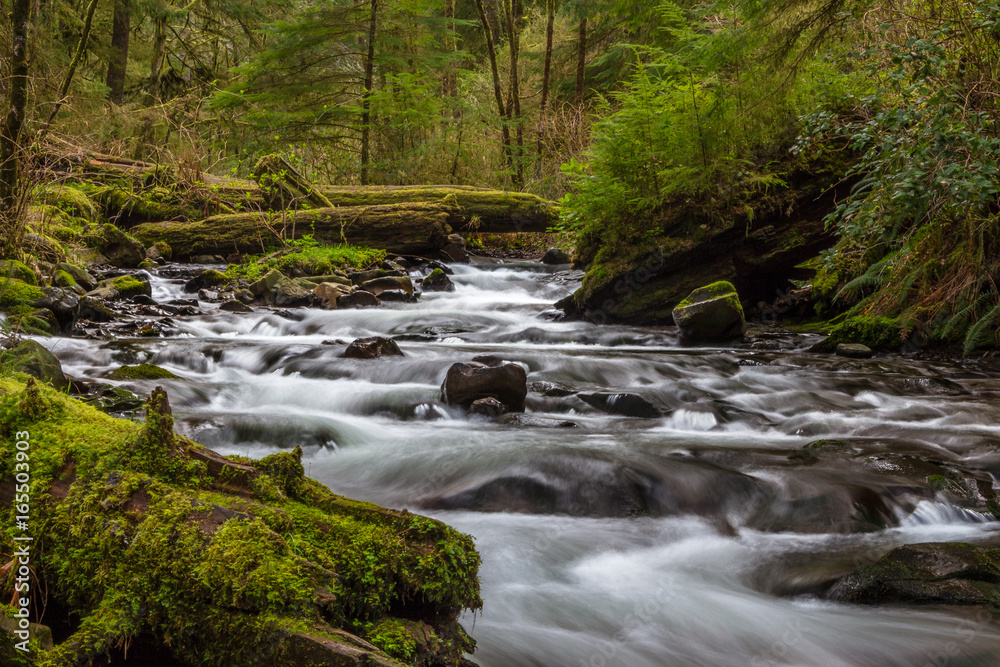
(406, 229)
(490, 211)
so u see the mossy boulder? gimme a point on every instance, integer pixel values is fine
(34, 359)
(142, 372)
(119, 248)
(122, 287)
(207, 278)
(437, 281)
(951, 573)
(70, 200)
(17, 301)
(146, 537)
(711, 314)
(263, 287)
(12, 268)
(159, 251)
(79, 274)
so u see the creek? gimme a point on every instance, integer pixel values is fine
(702, 537)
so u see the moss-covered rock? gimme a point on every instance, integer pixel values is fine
(159, 250)
(79, 274)
(119, 248)
(437, 281)
(143, 538)
(71, 200)
(711, 313)
(34, 359)
(14, 269)
(17, 302)
(207, 278)
(951, 573)
(877, 333)
(122, 287)
(142, 372)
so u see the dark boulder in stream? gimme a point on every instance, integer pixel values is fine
(949, 573)
(372, 348)
(629, 405)
(467, 383)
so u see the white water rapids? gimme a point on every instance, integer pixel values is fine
(684, 540)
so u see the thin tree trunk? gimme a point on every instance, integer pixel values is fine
(81, 49)
(581, 59)
(366, 101)
(159, 51)
(497, 92)
(11, 221)
(121, 26)
(550, 8)
(451, 82)
(513, 10)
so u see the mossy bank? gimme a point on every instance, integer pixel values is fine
(149, 538)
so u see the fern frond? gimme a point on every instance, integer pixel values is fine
(979, 332)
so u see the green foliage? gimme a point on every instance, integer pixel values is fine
(313, 260)
(919, 233)
(392, 636)
(878, 333)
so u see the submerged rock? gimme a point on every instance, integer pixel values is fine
(710, 314)
(629, 405)
(142, 372)
(854, 351)
(487, 407)
(951, 573)
(372, 348)
(466, 383)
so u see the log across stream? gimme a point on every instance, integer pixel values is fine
(701, 537)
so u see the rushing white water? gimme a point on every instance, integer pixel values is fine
(696, 538)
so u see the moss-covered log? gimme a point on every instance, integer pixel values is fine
(491, 211)
(146, 537)
(408, 229)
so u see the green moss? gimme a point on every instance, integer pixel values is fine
(164, 249)
(63, 279)
(14, 269)
(142, 372)
(715, 290)
(70, 200)
(145, 541)
(16, 301)
(393, 637)
(878, 333)
(312, 260)
(151, 205)
(127, 286)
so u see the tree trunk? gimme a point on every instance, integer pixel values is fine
(550, 8)
(366, 100)
(497, 92)
(159, 51)
(120, 28)
(419, 228)
(514, 9)
(451, 79)
(11, 220)
(81, 50)
(581, 59)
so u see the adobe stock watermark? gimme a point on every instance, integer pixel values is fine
(21, 562)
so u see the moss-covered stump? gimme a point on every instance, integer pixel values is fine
(407, 229)
(492, 211)
(283, 187)
(711, 313)
(951, 573)
(229, 562)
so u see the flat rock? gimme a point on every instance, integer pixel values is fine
(628, 405)
(854, 351)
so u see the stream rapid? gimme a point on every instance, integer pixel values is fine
(701, 537)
